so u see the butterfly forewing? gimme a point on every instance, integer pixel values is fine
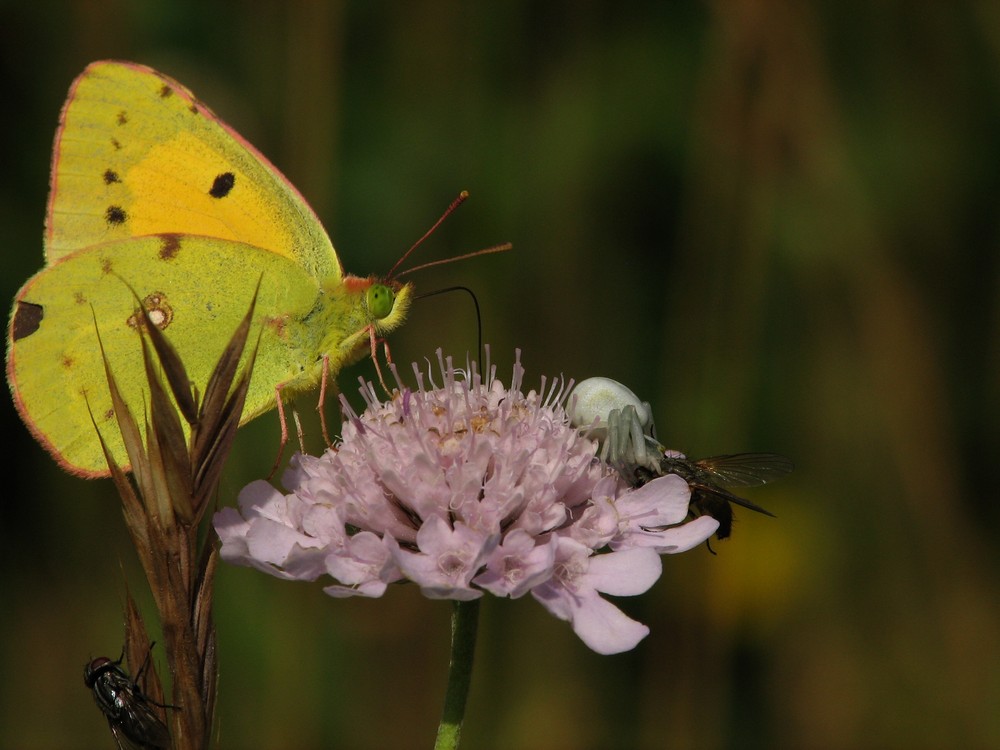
(137, 154)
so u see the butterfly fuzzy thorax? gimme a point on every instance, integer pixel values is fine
(355, 304)
(153, 197)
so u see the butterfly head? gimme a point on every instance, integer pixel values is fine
(387, 303)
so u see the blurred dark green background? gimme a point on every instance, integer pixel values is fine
(776, 220)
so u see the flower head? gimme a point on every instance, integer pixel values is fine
(465, 488)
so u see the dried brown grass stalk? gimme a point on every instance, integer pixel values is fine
(174, 479)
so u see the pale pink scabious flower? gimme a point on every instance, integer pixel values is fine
(465, 488)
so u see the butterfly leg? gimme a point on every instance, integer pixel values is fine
(385, 349)
(284, 431)
(374, 345)
(322, 400)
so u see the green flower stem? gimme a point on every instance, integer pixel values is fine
(464, 621)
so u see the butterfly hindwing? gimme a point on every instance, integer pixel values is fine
(58, 312)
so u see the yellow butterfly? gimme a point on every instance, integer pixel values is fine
(150, 190)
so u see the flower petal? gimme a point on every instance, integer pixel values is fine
(517, 565)
(447, 560)
(605, 628)
(598, 623)
(661, 502)
(669, 541)
(626, 573)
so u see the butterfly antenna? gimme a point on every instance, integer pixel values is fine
(448, 211)
(475, 301)
(502, 248)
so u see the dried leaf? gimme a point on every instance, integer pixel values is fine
(127, 425)
(159, 504)
(132, 508)
(204, 626)
(164, 418)
(221, 380)
(173, 369)
(204, 591)
(211, 462)
(138, 650)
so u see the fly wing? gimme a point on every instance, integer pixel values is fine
(712, 489)
(140, 725)
(123, 741)
(745, 469)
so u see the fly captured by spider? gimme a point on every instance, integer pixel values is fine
(615, 416)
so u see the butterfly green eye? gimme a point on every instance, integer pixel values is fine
(379, 299)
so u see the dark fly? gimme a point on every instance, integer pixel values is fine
(708, 478)
(131, 714)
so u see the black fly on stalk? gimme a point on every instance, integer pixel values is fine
(134, 722)
(620, 421)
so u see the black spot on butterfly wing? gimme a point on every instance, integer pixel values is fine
(170, 245)
(222, 185)
(110, 177)
(115, 215)
(27, 318)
